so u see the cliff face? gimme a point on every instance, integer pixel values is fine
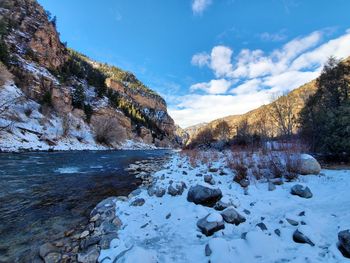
(77, 92)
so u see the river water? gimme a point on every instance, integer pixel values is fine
(44, 194)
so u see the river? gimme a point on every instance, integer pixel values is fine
(43, 194)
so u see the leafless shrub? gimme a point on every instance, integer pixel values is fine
(108, 131)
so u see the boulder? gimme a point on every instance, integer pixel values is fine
(299, 237)
(301, 191)
(344, 242)
(211, 223)
(231, 216)
(90, 255)
(203, 195)
(306, 164)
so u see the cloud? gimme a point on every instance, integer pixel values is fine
(198, 6)
(200, 59)
(215, 86)
(247, 80)
(221, 60)
(273, 37)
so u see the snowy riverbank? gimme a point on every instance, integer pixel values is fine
(160, 227)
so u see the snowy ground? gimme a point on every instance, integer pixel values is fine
(164, 229)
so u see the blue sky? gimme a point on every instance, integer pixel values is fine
(209, 58)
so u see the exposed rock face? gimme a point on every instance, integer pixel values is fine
(47, 72)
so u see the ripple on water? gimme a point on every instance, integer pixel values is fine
(67, 170)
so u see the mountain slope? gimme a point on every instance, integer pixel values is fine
(61, 99)
(255, 117)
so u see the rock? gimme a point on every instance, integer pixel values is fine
(306, 164)
(47, 248)
(207, 250)
(244, 183)
(247, 212)
(301, 191)
(211, 223)
(168, 216)
(90, 255)
(84, 234)
(277, 232)
(172, 190)
(292, 222)
(213, 170)
(89, 242)
(204, 195)
(184, 172)
(271, 186)
(138, 202)
(299, 237)
(208, 178)
(103, 206)
(199, 175)
(220, 205)
(95, 218)
(276, 181)
(159, 192)
(262, 226)
(136, 192)
(106, 240)
(231, 216)
(53, 257)
(344, 242)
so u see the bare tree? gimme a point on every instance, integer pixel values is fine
(282, 114)
(108, 130)
(222, 131)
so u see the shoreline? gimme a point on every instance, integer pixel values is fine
(74, 242)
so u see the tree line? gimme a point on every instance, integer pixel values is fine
(323, 124)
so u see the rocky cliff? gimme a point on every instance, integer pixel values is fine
(56, 98)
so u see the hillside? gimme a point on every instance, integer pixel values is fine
(261, 116)
(57, 98)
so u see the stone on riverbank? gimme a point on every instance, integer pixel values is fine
(203, 195)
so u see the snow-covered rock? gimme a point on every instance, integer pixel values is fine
(211, 223)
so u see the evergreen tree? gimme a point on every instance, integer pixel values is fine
(78, 97)
(325, 119)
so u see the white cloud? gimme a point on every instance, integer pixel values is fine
(273, 37)
(215, 86)
(198, 6)
(221, 60)
(200, 59)
(248, 87)
(258, 75)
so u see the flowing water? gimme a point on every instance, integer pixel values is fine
(44, 194)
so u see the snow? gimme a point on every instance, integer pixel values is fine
(42, 133)
(214, 217)
(146, 233)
